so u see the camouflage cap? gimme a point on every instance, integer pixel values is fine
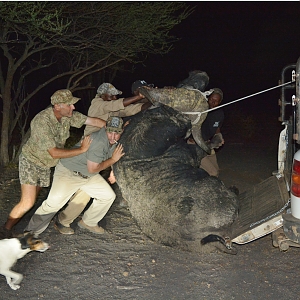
(63, 96)
(108, 88)
(114, 124)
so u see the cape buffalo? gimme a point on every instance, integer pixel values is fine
(173, 201)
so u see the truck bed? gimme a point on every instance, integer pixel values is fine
(257, 206)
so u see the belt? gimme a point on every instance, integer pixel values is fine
(81, 175)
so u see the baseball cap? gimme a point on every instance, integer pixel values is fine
(139, 83)
(114, 124)
(63, 96)
(108, 88)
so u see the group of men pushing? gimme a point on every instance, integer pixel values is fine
(76, 177)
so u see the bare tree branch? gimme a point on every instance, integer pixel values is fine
(73, 40)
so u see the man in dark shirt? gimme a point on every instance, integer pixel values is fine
(211, 131)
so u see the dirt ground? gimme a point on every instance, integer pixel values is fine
(125, 264)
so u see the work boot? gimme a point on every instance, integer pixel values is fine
(94, 229)
(63, 229)
(6, 233)
(26, 232)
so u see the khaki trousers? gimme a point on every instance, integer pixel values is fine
(210, 165)
(76, 205)
(65, 184)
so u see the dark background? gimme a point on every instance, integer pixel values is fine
(243, 46)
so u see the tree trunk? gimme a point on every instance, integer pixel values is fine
(4, 156)
(24, 140)
(6, 97)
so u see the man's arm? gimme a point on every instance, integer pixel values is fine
(146, 105)
(95, 122)
(130, 100)
(65, 153)
(111, 179)
(97, 167)
(217, 140)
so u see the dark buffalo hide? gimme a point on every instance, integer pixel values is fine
(173, 201)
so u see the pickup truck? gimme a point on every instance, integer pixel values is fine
(273, 206)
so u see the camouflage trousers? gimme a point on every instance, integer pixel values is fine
(30, 173)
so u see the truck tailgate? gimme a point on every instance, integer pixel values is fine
(258, 210)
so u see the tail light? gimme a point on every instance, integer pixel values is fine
(296, 178)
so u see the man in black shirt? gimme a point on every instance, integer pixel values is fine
(211, 131)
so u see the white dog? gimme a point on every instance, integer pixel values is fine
(13, 249)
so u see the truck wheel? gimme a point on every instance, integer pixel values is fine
(277, 237)
(283, 246)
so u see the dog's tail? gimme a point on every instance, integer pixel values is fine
(226, 244)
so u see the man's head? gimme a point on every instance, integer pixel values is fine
(215, 98)
(137, 84)
(114, 129)
(108, 92)
(63, 102)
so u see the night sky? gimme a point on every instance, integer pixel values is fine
(243, 46)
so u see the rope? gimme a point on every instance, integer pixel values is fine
(240, 99)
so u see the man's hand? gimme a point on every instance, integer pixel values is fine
(217, 141)
(111, 179)
(118, 153)
(85, 143)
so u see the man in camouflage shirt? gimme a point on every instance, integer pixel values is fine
(82, 171)
(49, 131)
